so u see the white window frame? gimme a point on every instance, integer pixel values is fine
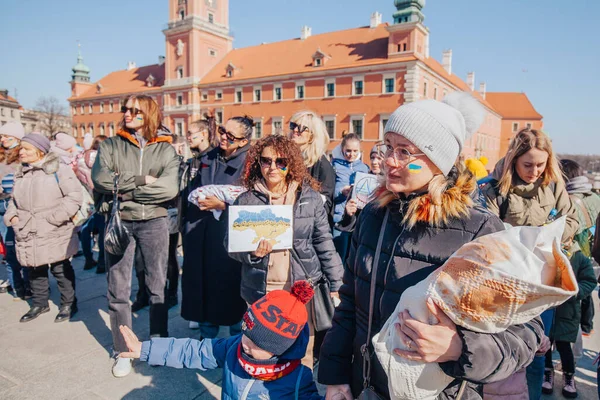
(179, 72)
(513, 127)
(331, 118)
(102, 129)
(218, 95)
(298, 84)
(280, 87)
(111, 129)
(425, 89)
(204, 96)
(383, 85)
(382, 116)
(212, 52)
(357, 117)
(262, 128)
(111, 107)
(177, 121)
(254, 97)
(177, 96)
(211, 18)
(91, 108)
(241, 92)
(82, 128)
(325, 91)
(74, 110)
(355, 79)
(529, 125)
(217, 119)
(102, 108)
(91, 128)
(435, 92)
(274, 120)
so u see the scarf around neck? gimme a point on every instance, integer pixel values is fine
(266, 370)
(289, 197)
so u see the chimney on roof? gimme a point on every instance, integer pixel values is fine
(447, 61)
(471, 80)
(482, 89)
(161, 60)
(4, 92)
(306, 32)
(376, 18)
(131, 65)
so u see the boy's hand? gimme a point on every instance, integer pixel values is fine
(346, 190)
(133, 344)
(351, 207)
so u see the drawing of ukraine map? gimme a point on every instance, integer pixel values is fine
(248, 225)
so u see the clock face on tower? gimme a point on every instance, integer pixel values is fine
(211, 3)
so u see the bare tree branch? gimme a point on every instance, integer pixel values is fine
(52, 111)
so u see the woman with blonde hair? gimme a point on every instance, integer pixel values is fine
(309, 132)
(423, 214)
(528, 190)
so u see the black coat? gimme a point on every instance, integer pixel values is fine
(420, 251)
(210, 282)
(312, 241)
(324, 173)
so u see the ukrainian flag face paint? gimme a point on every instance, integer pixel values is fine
(414, 169)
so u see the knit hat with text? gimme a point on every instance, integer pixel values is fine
(275, 321)
(439, 128)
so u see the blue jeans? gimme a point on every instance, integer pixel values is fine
(95, 223)
(210, 331)
(535, 370)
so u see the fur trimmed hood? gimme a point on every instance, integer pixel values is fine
(50, 165)
(447, 198)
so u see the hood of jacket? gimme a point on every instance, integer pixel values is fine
(51, 163)
(518, 187)
(338, 156)
(163, 136)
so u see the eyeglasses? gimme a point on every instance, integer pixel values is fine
(230, 136)
(301, 128)
(400, 154)
(132, 111)
(280, 163)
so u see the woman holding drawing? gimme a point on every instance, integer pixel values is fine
(275, 174)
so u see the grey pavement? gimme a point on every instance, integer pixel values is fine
(71, 360)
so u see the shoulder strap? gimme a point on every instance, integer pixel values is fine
(58, 183)
(586, 214)
(501, 200)
(366, 353)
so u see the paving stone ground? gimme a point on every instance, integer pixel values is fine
(71, 360)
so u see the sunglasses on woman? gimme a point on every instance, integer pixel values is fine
(280, 163)
(230, 136)
(132, 111)
(301, 128)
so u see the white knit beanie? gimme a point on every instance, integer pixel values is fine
(439, 128)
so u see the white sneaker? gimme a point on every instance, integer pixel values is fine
(194, 325)
(122, 367)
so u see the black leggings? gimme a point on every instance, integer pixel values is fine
(566, 357)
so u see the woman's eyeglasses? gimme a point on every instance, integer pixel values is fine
(132, 111)
(301, 128)
(230, 136)
(401, 155)
(280, 163)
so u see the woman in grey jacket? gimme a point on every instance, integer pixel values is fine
(275, 174)
(46, 195)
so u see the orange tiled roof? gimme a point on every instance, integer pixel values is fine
(123, 82)
(347, 48)
(8, 98)
(513, 105)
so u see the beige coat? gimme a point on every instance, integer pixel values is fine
(45, 198)
(530, 205)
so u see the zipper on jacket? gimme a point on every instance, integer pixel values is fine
(387, 269)
(141, 160)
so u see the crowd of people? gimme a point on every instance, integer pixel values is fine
(325, 298)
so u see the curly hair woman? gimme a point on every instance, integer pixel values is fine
(275, 174)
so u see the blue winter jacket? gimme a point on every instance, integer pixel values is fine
(237, 383)
(345, 172)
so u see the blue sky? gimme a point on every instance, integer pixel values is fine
(557, 43)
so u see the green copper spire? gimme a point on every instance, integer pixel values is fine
(81, 72)
(408, 11)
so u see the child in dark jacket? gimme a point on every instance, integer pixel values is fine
(262, 362)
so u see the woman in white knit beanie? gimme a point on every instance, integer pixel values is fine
(423, 213)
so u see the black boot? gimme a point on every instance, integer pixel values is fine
(90, 264)
(33, 313)
(101, 269)
(66, 312)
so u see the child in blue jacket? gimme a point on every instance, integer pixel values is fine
(346, 163)
(262, 362)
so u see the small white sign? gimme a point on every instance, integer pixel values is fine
(248, 225)
(364, 188)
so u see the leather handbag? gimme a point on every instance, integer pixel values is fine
(322, 306)
(116, 237)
